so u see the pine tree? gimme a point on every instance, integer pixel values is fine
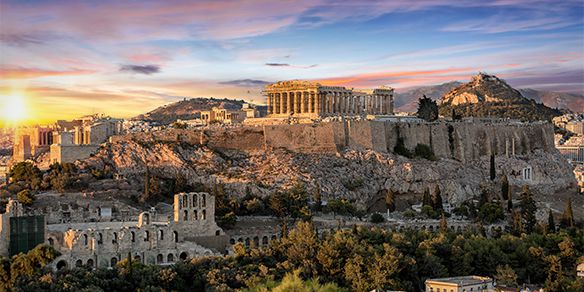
(484, 198)
(426, 201)
(437, 199)
(317, 198)
(551, 222)
(567, 220)
(528, 209)
(505, 187)
(510, 202)
(492, 169)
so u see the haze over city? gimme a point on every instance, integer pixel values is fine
(62, 59)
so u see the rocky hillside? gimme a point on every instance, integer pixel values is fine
(560, 100)
(362, 176)
(407, 100)
(188, 109)
(488, 96)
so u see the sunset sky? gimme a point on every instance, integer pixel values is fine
(62, 59)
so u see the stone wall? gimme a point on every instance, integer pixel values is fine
(71, 153)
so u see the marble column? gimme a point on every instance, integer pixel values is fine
(276, 104)
(269, 101)
(283, 102)
(290, 105)
(310, 102)
(304, 105)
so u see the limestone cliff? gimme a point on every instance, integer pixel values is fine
(272, 159)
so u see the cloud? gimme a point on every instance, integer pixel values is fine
(246, 82)
(140, 69)
(25, 73)
(21, 40)
(277, 64)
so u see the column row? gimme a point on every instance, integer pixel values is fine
(293, 102)
(329, 103)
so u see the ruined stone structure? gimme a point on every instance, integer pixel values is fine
(192, 232)
(222, 115)
(311, 99)
(67, 141)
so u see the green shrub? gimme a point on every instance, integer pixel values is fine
(424, 151)
(377, 218)
(25, 197)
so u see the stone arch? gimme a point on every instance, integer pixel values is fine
(204, 215)
(159, 258)
(195, 215)
(51, 241)
(203, 201)
(431, 228)
(78, 263)
(217, 232)
(458, 228)
(232, 241)
(99, 238)
(85, 239)
(170, 258)
(175, 236)
(247, 242)
(113, 262)
(90, 263)
(183, 255)
(115, 238)
(62, 264)
(160, 234)
(133, 236)
(185, 215)
(138, 258)
(256, 241)
(264, 240)
(147, 235)
(274, 237)
(240, 240)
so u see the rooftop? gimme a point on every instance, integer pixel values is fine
(462, 280)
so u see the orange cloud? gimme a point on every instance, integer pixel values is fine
(26, 73)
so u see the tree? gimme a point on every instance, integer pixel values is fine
(443, 224)
(506, 276)
(510, 202)
(390, 200)
(505, 188)
(377, 218)
(492, 171)
(551, 222)
(427, 109)
(528, 209)
(426, 200)
(317, 198)
(437, 199)
(25, 197)
(567, 220)
(26, 172)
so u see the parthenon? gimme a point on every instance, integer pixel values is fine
(311, 99)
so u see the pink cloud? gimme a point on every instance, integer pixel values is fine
(27, 73)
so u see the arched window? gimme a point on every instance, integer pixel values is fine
(232, 241)
(247, 242)
(170, 258)
(147, 236)
(113, 262)
(265, 240)
(51, 241)
(61, 265)
(138, 258)
(159, 258)
(78, 263)
(185, 215)
(115, 238)
(195, 215)
(90, 263)
(217, 233)
(175, 236)
(256, 241)
(85, 239)
(204, 215)
(161, 235)
(195, 201)
(203, 201)
(183, 255)
(133, 236)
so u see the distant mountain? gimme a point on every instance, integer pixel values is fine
(407, 100)
(189, 109)
(488, 96)
(561, 100)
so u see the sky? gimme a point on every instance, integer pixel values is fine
(64, 59)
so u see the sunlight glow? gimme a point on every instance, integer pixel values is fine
(13, 108)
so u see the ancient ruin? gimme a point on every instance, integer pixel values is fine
(311, 99)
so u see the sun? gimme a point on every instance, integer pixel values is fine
(13, 108)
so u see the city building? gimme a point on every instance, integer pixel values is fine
(576, 127)
(461, 284)
(311, 100)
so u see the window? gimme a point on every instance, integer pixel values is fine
(99, 238)
(217, 233)
(203, 201)
(133, 236)
(204, 215)
(146, 236)
(159, 258)
(170, 258)
(85, 239)
(185, 215)
(175, 236)
(161, 235)
(115, 239)
(195, 215)
(113, 262)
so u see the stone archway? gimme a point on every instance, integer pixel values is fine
(183, 255)
(62, 264)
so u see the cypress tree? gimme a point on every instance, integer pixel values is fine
(437, 199)
(426, 201)
(505, 187)
(390, 200)
(492, 170)
(443, 224)
(567, 220)
(528, 209)
(551, 222)
(510, 202)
